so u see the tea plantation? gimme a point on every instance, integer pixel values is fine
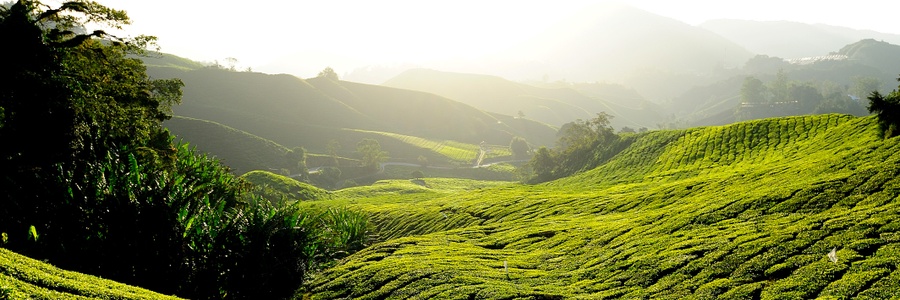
(788, 208)
(25, 278)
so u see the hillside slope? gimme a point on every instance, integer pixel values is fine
(25, 278)
(555, 106)
(240, 150)
(295, 112)
(749, 210)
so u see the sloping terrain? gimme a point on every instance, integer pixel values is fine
(297, 112)
(240, 150)
(25, 278)
(878, 54)
(555, 106)
(244, 152)
(786, 208)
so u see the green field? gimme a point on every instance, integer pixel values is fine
(749, 210)
(452, 150)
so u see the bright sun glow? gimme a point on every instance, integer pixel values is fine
(350, 34)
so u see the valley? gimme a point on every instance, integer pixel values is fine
(615, 154)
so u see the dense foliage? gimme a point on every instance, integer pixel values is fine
(24, 278)
(887, 109)
(91, 181)
(581, 145)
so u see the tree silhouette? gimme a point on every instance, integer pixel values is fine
(371, 154)
(328, 73)
(887, 109)
(519, 147)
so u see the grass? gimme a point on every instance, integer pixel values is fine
(277, 188)
(25, 278)
(748, 210)
(454, 151)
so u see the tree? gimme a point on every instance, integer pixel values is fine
(584, 134)
(423, 161)
(330, 176)
(519, 147)
(370, 153)
(887, 109)
(82, 110)
(764, 64)
(296, 159)
(542, 164)
(333, 147)
(808, 96)
(328, 73)
(863, 85)
(232, 63)
(753, 91)
(779, 87)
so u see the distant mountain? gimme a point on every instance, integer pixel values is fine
(791, 39)
(879, 54)
(554, 106)
(611, 41)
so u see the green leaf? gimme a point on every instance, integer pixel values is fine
(33, 232)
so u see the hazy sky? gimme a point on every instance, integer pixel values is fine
(392, 31)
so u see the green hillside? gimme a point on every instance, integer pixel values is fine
(244, 152)
(25, 278)
(278, 188)
(878, 54)
(749, 210)
(240, 150)
(297, 112)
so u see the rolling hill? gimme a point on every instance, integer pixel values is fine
(554, 106)
(25, 278)
(787, 208)
(240, 150)
(877, 54)
(295, 112)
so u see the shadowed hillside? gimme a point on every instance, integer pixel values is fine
(25, 278)
(240, 150)
(750, 210)
(296, 112)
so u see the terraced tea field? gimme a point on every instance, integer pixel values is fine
(25, 278)
(750, 210)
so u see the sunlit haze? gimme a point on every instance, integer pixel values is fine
(352, 34)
